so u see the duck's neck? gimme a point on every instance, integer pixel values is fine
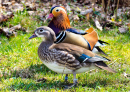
(53, 27)
(46, 44)
(60, 23)
(43, 50)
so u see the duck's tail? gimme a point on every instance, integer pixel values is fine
(92, 38)
(102, 65)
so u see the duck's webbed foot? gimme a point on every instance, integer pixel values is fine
(74, 83)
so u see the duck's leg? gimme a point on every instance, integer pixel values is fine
(74, 81)
(66, 77)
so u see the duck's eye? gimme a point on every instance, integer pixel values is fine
(41, 30)
(57, 10)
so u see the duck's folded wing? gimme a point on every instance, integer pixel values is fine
(72, 49)
(81, 54)
(66, 55)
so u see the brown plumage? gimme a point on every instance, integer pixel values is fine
(61, 23)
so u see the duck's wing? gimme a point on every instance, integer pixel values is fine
(82, 55)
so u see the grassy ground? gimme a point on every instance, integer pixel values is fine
(20, 67)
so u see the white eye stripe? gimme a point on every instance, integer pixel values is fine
(39, 35)
(41, 30)
(60, 8)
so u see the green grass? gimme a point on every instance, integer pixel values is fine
(20, 67)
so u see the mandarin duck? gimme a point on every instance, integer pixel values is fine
(66, 58)
(65, 33)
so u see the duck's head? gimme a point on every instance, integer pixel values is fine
(45, 32)
(59, 16)
(57, 11)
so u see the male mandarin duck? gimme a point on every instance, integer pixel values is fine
(67, 58)
(65, 33)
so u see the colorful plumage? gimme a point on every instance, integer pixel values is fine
(60, 22)
(67, 58)
(60, 19)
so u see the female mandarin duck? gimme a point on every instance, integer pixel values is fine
(61, 26)
(66, 58)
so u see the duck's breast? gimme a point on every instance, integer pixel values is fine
(54, 66)
(57, 67)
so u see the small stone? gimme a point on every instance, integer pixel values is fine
(86, 12)
(9, 14)
(42, 79)
(31, 13)
(126, 75)
(122, 30)
(97, 23)
(68, 8)
(76, 18)
(128, 24)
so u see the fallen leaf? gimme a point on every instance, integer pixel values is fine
(112, 19)
(68, 8)
(42, 79)
(6, 3)
(53, 1)
(76, 18)
(30, 6)
(78, 9)
(126, 75)
(120, 20)
(128, 24)
(87, 16)
(122, 30)
(98, 24)
(3, 18)
(86, 2)
(11, 32)
(17, 7)
(31, 13)
(86, 12)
